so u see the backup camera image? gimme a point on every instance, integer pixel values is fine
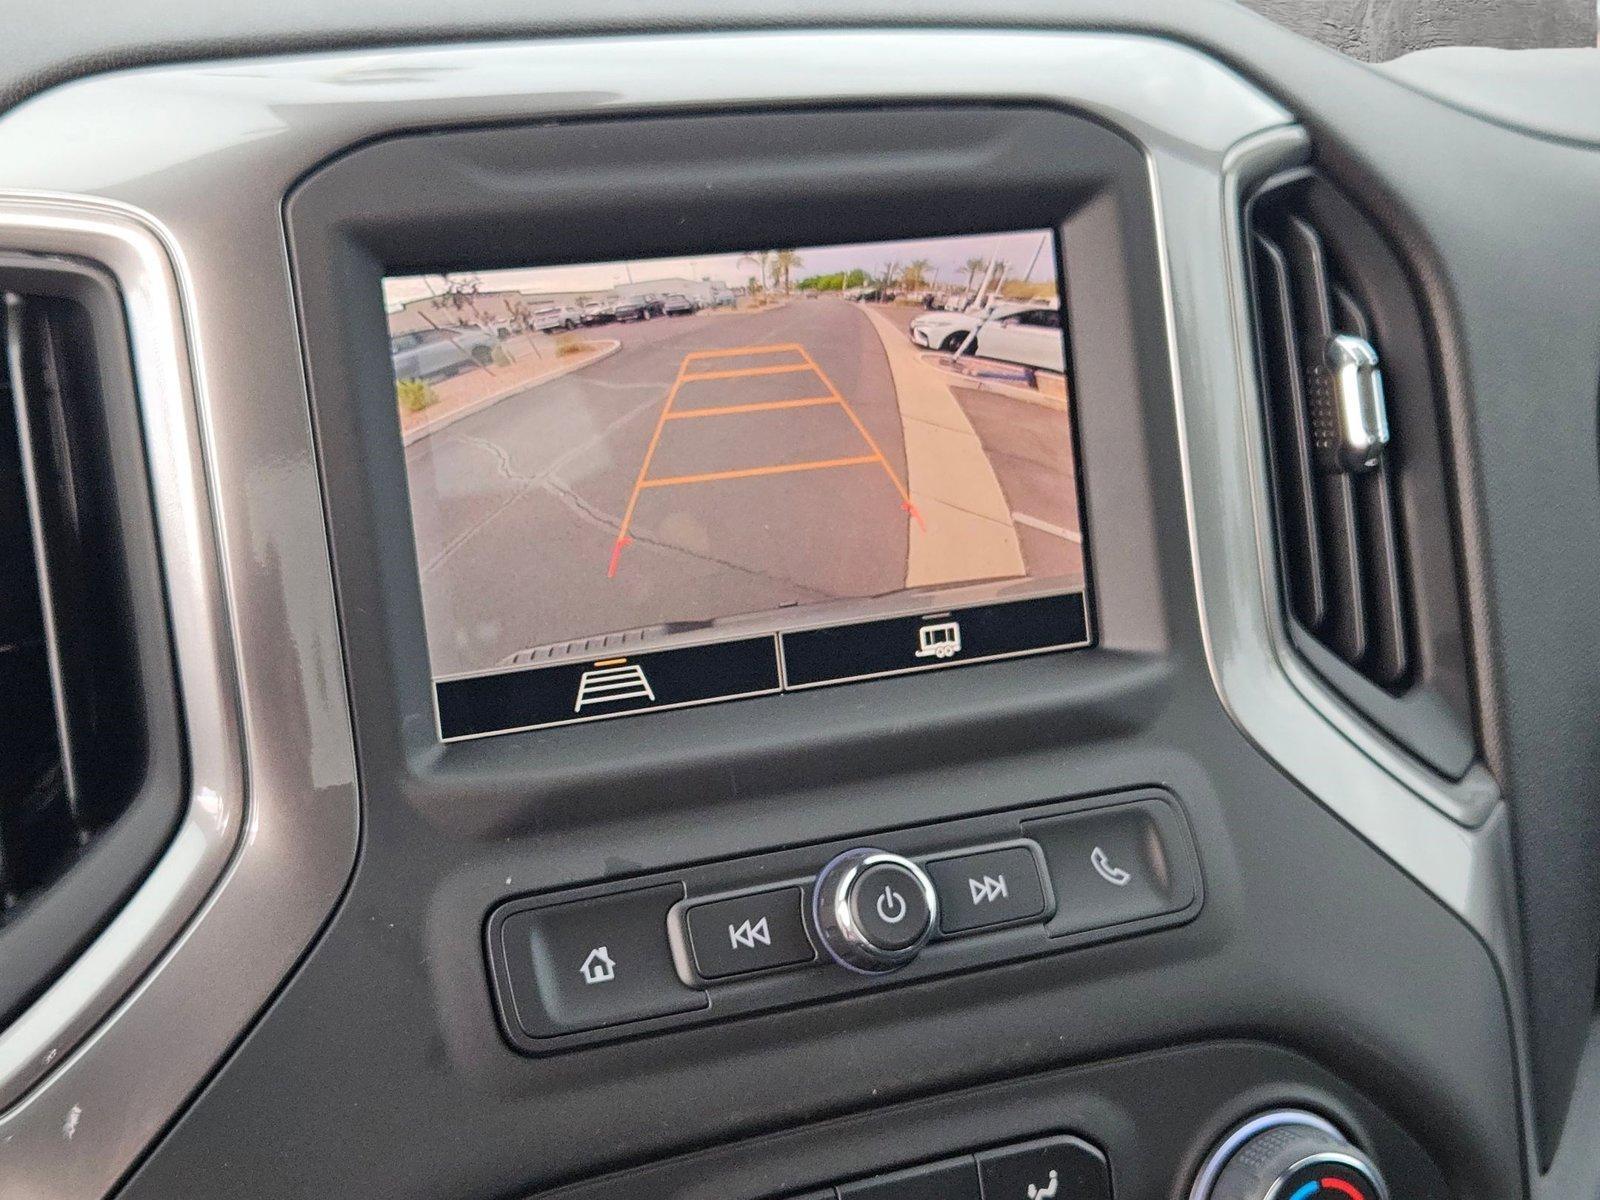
(637, 455)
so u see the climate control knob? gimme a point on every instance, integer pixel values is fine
(873, 910)
(1288, 1155)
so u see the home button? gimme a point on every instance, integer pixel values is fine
(591, 963)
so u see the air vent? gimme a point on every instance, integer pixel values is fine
(1366, 543)
(89, 777)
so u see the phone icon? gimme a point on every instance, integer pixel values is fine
(1102, 865)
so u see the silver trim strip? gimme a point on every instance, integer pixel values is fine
(137, 1021)
(209, 828)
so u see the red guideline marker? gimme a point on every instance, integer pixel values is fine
(912, 509)
(616, 555)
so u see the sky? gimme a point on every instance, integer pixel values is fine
(946, 254)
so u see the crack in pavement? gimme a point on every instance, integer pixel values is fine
(609, 522)
(529, 482)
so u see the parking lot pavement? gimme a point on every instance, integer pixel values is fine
(518, 508)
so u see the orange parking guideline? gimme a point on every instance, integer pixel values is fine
(751, 472)
(683, 414)
(905, 496)
(745, 372)
(736, 351)
(642, 480)
(633, 499)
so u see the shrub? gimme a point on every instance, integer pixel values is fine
(415, 395)
(567, 343)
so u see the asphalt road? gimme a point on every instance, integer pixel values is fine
(517, 508)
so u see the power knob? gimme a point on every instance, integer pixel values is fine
(873, 910)
(1288, 1155)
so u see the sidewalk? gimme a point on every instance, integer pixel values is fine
(475, 390)
(969, 532)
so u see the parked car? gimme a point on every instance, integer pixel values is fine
(1029, 338)
(948, 330)
(636, 308)
(597, 313)
(677, 305)
(438, 353)
(1025, 334)
(557, 316)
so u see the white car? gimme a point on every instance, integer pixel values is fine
(557, 316)
(1030, 337)
(1026, 334)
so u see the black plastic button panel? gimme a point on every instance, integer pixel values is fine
(720, 940)
(1112, 865)
(756, 932)
(953, 1179)
(588, 964)
(996, 887)
(1051, 1167)
(1059, 1167)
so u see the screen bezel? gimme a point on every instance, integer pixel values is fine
(803, 175)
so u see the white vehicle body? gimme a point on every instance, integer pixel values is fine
(434, 353)
(1031, 337)
(557, 316)
(1004, 332)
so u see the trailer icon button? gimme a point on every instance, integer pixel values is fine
(940, 640)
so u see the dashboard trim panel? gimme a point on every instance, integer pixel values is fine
(180, 212)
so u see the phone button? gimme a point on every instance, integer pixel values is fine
(1117, 864)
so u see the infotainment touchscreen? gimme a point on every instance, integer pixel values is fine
(639, 486)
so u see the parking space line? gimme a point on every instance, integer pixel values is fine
(683, 414)
(643, 481)
(742, 372)
(751, 472)
(1066, 535)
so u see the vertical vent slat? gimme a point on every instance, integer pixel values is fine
(1346, 623)
(1290, 427)
(1389, 656)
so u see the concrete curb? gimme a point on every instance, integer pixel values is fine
(1027, 395)
(444, 422)
(966, 523)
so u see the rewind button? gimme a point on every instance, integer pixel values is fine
(748, 933)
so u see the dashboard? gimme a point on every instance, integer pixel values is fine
(848, 608)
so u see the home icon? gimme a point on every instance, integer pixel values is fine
(599, 967)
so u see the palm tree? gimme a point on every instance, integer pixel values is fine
(916, 276)
(783, 264)
(972, 266)
(760, 259)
